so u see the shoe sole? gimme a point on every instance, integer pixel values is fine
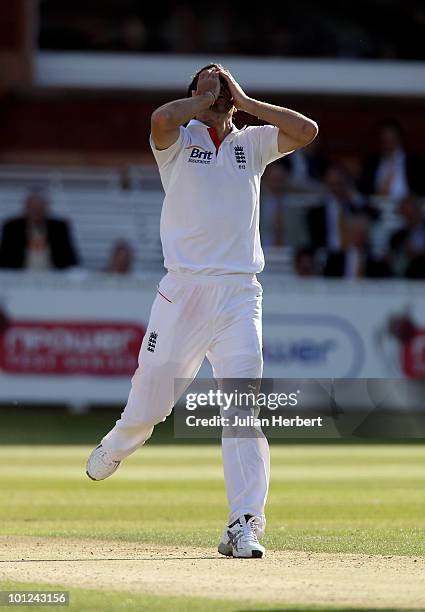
(99, 479)
(255, 554)
(226, 551)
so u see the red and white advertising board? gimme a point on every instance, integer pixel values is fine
(75, 339)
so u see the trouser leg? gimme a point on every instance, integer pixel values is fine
(173, 347)
(237, 354)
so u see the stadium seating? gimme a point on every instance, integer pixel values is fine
(59, 178)
(99, 218)
(102, 211)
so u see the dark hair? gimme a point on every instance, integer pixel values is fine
(194, 83)
(391, 124)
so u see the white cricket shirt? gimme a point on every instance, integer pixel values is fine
(210, 215)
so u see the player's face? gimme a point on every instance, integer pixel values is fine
(224, 102)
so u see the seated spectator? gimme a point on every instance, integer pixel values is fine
(326, 222)
(306, 167)
(304, 262)
(35, 241)
(273, 204)
(392, 171)
(121, 259)
(356, 260)
(407, 245)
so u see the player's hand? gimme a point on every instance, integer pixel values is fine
(208, 81)
(236, 91)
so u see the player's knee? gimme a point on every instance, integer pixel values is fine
(243, 366)
(152, 397)
(144, 421)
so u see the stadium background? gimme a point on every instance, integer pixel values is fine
(78, 87)
(78, 82)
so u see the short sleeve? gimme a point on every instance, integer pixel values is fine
(267, 142)
(166, 156)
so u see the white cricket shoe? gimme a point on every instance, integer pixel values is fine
(240, 539)
(100, 465)
(225, 545)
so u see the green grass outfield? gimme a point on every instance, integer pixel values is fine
(87, 600)
(326, 498)
(367, 499)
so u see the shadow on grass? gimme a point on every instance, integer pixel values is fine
(56, 425)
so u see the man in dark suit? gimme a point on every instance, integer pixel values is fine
(407, 244)
(326, 221)
(273, 205)
(392, 172)
(35, 241)
(356, 260)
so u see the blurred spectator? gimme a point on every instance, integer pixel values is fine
(36, 241)
(128, 34)
(273, 203)
(407, 245)
(133, 33)
(326, 222)
(122, 258)
(304, 262)
(182, 30)
(278, 38)
(356, 260)
(306, 167)
(218, 31)
(392, 171)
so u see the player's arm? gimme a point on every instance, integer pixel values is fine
(167, 119)
(295, 130)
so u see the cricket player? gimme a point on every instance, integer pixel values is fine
(209, 303)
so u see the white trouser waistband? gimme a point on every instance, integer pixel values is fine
(187, 277)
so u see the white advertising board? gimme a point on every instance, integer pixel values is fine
(75, 339)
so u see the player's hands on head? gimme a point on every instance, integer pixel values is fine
(208, 81)
(236, 91)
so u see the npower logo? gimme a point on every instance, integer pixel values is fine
(311, 346)
(69, 348)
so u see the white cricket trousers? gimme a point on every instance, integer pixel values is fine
(192, 317)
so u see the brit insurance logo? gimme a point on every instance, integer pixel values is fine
(199, 155)
(240, 157)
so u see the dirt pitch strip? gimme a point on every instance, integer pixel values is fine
(361, 581)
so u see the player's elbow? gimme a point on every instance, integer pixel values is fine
(160, 118)
(310, 131)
